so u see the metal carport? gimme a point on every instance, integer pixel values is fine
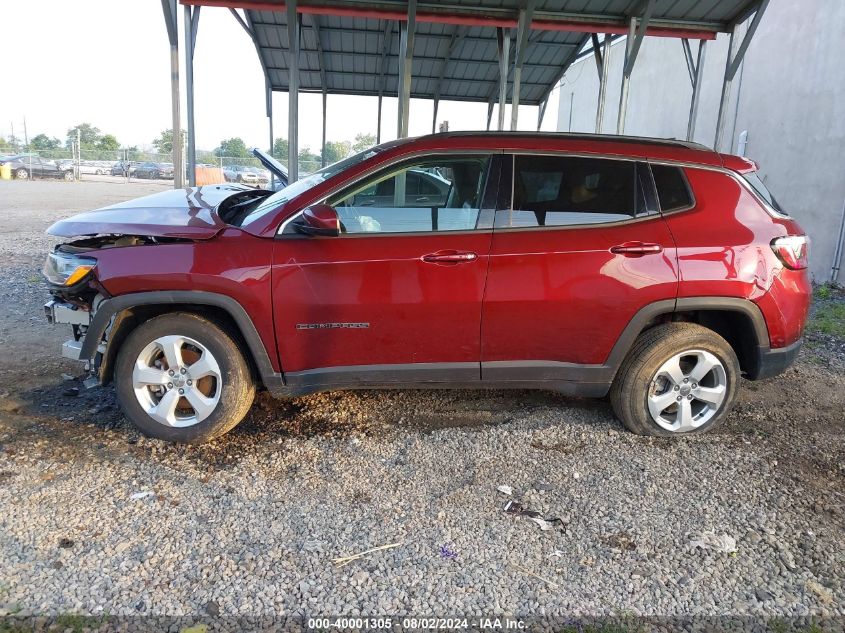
(488, 51)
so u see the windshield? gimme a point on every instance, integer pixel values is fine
(757, 184)
(294, 189)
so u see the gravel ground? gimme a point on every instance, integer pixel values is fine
(94, 519)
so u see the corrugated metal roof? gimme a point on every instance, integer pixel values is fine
(354, 38)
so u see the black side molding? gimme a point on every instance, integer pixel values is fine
(273, 380)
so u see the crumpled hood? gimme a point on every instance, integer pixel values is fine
(179, 213)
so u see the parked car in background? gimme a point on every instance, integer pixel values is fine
(94, 168)
(119, 168)
(154, 171)
(653, 271)
(263, 175)
(25, 166)
(279, 172)
(240, 173)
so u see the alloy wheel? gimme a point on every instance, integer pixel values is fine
(177, 381)
(687, 391)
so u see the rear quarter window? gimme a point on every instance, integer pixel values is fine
(753, 179)
(673, 190)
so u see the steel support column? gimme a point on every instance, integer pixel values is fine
(732, 65)
(489, 112)
(697, 74)
(268, 90)
(457, 35)
(406, 58)
(541, 112)
(170, 8)
(294, 26)
(636, 33)
(605, 66)
(504, 42)
(382, 71)
(191, 19)
(315, 26)
(523, 30)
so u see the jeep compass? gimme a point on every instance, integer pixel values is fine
(656, 272)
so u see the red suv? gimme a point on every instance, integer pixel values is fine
(654, 271)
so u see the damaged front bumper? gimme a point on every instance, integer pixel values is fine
(59, 312)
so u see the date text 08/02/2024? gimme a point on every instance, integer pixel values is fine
(412, 623)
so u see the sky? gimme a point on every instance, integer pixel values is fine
(107, 62)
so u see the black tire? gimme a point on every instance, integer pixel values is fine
(154, 175)
(633, 382)
(237, 388)
(21, 174)
(68, 175)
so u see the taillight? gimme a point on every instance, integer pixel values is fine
(792, 251)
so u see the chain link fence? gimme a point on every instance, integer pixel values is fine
(131, 164)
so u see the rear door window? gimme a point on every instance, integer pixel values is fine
(673, 191)
(569, 190)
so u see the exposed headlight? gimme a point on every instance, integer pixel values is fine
(64, 269)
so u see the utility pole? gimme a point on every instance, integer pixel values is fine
(78, 152)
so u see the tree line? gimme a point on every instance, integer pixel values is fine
(98, 145)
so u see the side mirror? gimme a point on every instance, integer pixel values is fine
(319, 219)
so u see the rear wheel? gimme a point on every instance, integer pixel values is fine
(181, 378)
(678, 378)
(68, 175)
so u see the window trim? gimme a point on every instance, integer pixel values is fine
(639, 163)
(494, 164)
(693, 201)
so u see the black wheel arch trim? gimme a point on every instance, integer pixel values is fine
(651, 311)
(273, 380)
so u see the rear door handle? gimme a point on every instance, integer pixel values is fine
(450, 257)
(636, 249)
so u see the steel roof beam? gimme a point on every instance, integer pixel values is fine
(349, 73)
(503, 17)
(437, 61)
(330, 32)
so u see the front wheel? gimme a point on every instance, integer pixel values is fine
(678, 378)
(181, 378)
(21, 174)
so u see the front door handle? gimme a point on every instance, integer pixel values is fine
(450, 257)
(636, 249)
